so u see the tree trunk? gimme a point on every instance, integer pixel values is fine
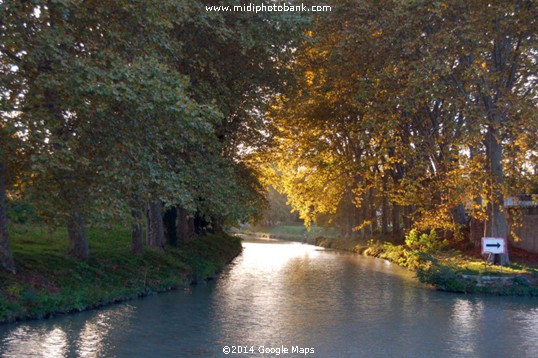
(476, 228)
(216, 224)
(496, 225)
(6, 257)
(78, 241)
(459, 215)
(396, 221)
(170, 226)
(407, 218)
(192, 228)
(155, 227)
(183, 225)
(366, 231)
(356, 219)
(373, 211)
(385, 209)
(137, 244)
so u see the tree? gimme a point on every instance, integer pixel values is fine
(412, 99)
(277, 211)
(492, 63)
(72, 67)
(128, 105)
(236, 62)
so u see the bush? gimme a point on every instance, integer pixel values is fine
(443, 277)
(393, 253)
(425, 242)
(374, 250)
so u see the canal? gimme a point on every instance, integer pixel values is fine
(288, 299)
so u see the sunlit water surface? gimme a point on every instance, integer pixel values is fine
(285, 295)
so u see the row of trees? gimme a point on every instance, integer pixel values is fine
(418, 110)
(115, 109)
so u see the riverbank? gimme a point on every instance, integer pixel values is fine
(446, 270)
(49, 282)
(449, 270)
(297, 233)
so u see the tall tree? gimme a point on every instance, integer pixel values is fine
(413, 88)
(125, 103)
(83, 95)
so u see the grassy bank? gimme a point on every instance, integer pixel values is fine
(290, 232)
(447, 269)
(49, 282)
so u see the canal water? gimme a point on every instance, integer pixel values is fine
(291, 300)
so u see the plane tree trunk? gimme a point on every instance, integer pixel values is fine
(496, 225)
(78, 241)
(6, 257)
(155, 225)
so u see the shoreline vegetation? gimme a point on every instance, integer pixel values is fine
(443, 267)
(50, 283)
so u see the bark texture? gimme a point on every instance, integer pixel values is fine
(183, 225)
(496, 225)
(155, 226)
(78, 241)
(6, 257)
(137, 244)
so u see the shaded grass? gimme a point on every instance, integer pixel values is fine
(50, 282)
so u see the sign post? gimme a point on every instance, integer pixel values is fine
(493, 246)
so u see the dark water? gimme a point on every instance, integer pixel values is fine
(279, 296)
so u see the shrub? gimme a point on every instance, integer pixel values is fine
(425, 242)
(443, 277)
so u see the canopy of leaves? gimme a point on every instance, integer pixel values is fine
(117, 102)
(406, 99)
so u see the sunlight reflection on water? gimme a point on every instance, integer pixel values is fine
(27, 342)
(279, 293)
(42, 339)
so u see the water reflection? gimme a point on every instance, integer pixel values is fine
(90, 341)
(27, 342)
(42, 339)
(527, 325)
(275, 302)
(293, 295)
(466, 316)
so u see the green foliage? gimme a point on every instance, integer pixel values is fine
(21, 212)
(394, 253)
(119, 103)
(277, 211)
(292, 232)
(425, 242)
(443, 277)
(398, 102)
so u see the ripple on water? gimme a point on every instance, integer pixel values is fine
(289, 294)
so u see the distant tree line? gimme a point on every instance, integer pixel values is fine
(277, 211)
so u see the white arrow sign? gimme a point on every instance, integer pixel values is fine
(493, 245)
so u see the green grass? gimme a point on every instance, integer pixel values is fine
(473, 266)
(292, 232)
(50, 282)
(447, 270)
